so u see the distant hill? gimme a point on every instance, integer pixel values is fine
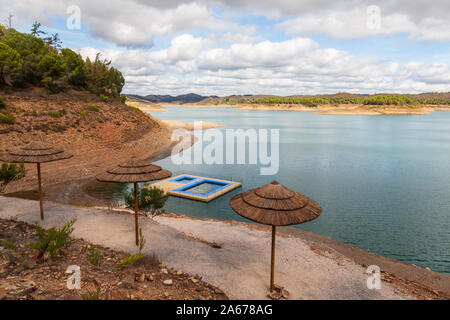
(248, 98)
(184, 98)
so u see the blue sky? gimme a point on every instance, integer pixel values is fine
(261, 47)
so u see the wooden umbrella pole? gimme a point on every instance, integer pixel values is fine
(272, 270)
(136, 212)
(40, 190)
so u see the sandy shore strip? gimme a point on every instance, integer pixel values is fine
(177, 124)
(146, 107)
(343, 109)
(241, 267)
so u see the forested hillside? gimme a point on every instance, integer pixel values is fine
(337, 99)
(37, 59)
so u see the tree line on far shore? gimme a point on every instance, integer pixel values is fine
(399, 100)
(37, 59)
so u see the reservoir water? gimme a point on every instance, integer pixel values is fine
(383, 181)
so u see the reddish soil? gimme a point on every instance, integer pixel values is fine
(99, 134)
(24, 277)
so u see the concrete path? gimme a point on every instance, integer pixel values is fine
(241, 268)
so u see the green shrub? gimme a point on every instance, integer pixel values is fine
(11, 172)
(2, 103)
(7, 118)
(130, 259)
(142, 240)
(11, 65)
(93, 255)
(104, 98)
(123, 99)
(136, 108)
(133, 258)
(83, 114)
(53, 240)
(52, 65)
(93, 108)
(150, 199)
(76, 71)
(52, 87)
(9, 244)
(37, 59)
(54, 114)
(91, 295)
(58, 114)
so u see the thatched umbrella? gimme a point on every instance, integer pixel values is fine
(134, 171)
(276, 205)
(36, 152)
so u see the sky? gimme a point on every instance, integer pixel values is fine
(282, 47)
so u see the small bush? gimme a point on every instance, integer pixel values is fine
(93, 108)
(83, 114)
(54, 239)
(142, 241)
(148, 262)
(129, 260)
(10, 172)
(52, 87)
(7, 118)
(91, 295)
(93, 255)
(133, 258)
(9, 244)
(58, 114)
(150, 199)
(104, 98)
(136, 108)
(2, 103)
(123, 99)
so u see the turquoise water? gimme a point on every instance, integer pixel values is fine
(383, 181)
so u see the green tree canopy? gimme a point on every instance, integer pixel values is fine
(10, 65)
(75, 67)
(52, 65)
(29, 59)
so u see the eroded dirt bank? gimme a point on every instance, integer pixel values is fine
(98, 133)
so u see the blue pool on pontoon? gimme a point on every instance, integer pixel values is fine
(203, 187)
(184, 179)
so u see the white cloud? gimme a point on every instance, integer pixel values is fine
(264, 53)
(186, 47)
(295, 66)
(126, 23)
(354, 24)
(134, 23)
(347, 24)
(231, 37)
(234, 58)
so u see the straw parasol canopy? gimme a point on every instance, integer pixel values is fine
(134, 171)
(276, 205)
(36, 152)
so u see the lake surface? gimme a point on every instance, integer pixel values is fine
(383, 181)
